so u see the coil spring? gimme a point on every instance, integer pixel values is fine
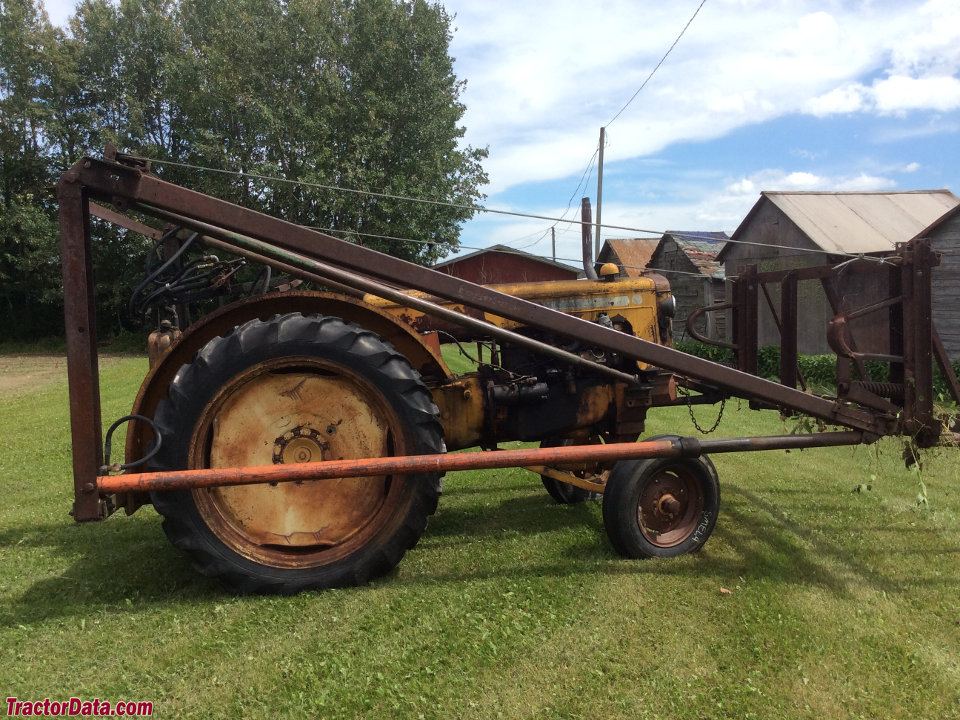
(892, 391)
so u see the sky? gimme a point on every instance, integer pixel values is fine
(755, 95)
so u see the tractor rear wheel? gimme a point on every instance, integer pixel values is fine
(661, 507)
(296, 389)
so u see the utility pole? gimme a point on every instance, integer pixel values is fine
(596, 239)
(553, 242)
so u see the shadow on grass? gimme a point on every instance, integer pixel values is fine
(122, 565)
(533, 512)
(753, 538)
(802, 548)
(126, 565)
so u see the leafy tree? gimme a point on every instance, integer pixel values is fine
(28, 233)
(335, 95)
(359, 94)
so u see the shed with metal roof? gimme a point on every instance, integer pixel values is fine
(688, 259)
(787, 230)
(630, 254)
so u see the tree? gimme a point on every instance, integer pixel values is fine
(28, 233)
(354, 103)
(359, 95)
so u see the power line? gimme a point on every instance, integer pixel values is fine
(596, 153)
(388, 196)
(479, 208)
(665, 55)
(583, 179)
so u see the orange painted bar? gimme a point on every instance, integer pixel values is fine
(213, 477)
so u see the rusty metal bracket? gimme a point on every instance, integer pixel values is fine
(696, 335)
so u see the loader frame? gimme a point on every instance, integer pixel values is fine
(867, 412)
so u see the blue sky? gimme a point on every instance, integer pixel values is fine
(757, 95)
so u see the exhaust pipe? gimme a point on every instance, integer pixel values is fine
(586, 239)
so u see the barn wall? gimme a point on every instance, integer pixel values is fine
(946, 284)
(786, 247)
(496, 267)
(718, 323)
(691, 292)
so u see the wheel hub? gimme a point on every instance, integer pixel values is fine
(668, 508)
(668, 505)
(300, 445)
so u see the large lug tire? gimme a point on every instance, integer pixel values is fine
(661, 507)
(567, 493)
(294, 389)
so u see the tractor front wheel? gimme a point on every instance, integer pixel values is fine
(566, 493)
(661, 507)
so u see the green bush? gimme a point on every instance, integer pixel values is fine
(707, 352)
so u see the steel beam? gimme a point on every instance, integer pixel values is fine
(316, 271)
(81, 331)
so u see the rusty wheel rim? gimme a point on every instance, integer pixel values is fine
(670, 506)
(297, 410)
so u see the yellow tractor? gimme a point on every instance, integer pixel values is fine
(296, 439)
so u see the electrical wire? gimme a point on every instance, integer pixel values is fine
(653, 72)
(483, 209)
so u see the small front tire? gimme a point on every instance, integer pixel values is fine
(661, 507)
(567, 493)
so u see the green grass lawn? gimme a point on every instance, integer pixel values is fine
(809, 601)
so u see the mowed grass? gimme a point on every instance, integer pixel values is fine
(810, 600)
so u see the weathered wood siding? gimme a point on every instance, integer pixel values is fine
(783, 246)
(691, 289)
(946, 284)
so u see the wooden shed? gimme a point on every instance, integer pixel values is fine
(944, 236)
(502, 264)
(787, 230)
(689, 261)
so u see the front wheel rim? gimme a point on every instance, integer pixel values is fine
(669, 506)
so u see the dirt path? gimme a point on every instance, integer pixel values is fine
(20, 373)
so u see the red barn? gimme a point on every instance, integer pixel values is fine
(502, 264)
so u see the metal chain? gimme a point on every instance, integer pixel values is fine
(693, 419)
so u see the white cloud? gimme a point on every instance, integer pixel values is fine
(543, 77)
(721, 204)
(841, 100)
(864, 183)
(893, 95)
(899, 93)
(800, 181)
